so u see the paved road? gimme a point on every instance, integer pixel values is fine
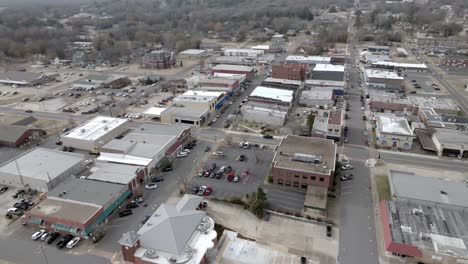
(61, 116)
(424, 161)
(357, 230)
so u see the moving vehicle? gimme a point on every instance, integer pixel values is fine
(15, 211)
(29, 111)
(125, 213)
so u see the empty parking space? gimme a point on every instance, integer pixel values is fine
(251, 171)
(282, 199)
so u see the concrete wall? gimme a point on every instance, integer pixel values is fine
(390, 140)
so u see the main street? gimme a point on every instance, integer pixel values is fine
(357, 229)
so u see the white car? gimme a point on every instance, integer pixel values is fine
(73, 242)
(182, 155)
(43, 237)
(38, 234)
(347, 167)
(151, 186)
(87, 162)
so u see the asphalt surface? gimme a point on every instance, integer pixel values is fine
(357, 230)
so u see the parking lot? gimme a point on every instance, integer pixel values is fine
(7, 202)
(257, 163)
(425, 81)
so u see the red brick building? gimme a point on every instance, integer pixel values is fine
(158, 59)
(455, 61)
(15, 135)
(290, 71)
(302, 161)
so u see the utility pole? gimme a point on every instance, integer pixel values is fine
(19, 172)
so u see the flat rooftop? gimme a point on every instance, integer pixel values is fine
(328, 68)
(452, 138)
(373, 73)
(282, 81)
(154, 111)
(407, 185)
(186, 111)
(95, 128)
(392, 64)
(393, 125)
(272, 93)
(88, 191)
(42, 163)
(323, 149)
(436, 228)
(113, 172)
(318, 94)
(193, 52)
(318, 59)
(324, 83)
(198, 96)
(161, 129)
(69, 211)
(217, 80)
(228, 67)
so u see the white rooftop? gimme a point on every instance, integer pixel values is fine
(229, 67)
(282, 81)
(401, 65)
(308, 58)
(193, 51)
(154, 111)
(95, 128)
(198, 96)
(393, 125)
(112, 172)
(324, 83)
(124, 159)
(273, 93)
(261, 47)
(372, 73)
(329, 68)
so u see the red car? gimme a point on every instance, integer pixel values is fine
(230, 176)
(208, 191)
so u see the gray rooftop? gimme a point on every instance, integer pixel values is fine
(185, 111)
(88, 191)
(440, 229)
(161, 129)
(170, 229)
(451, 137)
(20, 76)
(11, 133)
(440, 191)
(42, 163)
(113, 172)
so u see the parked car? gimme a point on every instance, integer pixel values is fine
(195, 189)
(3, 189)
(182, 155)
(151, 186)
(51, 237)
(236, 178)
(219, 175)
(14, 211)
(125, 213)
(44, 236)
(137, 199)
(347, 167)
(38, 234)
(72, 243)
(202, 190)
(157, 179)
(242, 157)
(29, 111)
(168, 168)
(230, 176)
(213, 166)
(132, 205)
(227, 169)
(207, 148)
(222, 169)
(63, 241)
(268, 136)
(145, 219)
(208, 191)
(218, 154)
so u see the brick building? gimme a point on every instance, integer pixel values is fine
(290, 71)
(234, 69)
(158, 59)
(302, 161)
(15, 135)
(455, 61)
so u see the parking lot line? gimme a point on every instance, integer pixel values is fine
(344, 193)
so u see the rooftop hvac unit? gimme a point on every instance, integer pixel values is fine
(307, 158)
(82, 130)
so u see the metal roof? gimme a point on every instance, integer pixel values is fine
(328, 68)
(11, 133)
(228, 67)
(41, 163)
(373, 73)
(112, 172)
(95, 128)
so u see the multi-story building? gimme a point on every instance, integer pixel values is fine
(290, 71)
(158, 59)
(219, 84)
(393, 132)
(460, 61)
(330, 124)
(382, 79)
(173, 234)
(234, 69)
(302, 161)
(328, 72)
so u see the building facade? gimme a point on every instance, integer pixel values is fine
(394, 132)
(290, 71)
(454, 61)
(158, 59)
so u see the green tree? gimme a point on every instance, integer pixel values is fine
(257, 207)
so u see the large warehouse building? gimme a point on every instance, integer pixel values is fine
(41, 169)
(95, 133)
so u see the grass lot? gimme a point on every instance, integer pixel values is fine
(383, 187)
